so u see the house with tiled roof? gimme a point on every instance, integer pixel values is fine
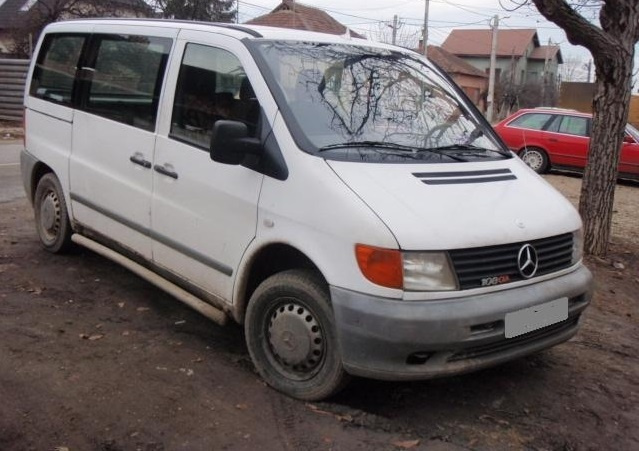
(17, 14)
(292, 14)
(473, 81)
(520, 57)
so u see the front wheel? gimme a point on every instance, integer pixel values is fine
(52, 219)
(536, 159)
(291, 337)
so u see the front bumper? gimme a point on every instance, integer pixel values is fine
(403, 340)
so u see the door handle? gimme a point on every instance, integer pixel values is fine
(553, 140)
(138, 159)
(166, 170)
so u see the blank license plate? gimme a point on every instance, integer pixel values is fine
(536, 317)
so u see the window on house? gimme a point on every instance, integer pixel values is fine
(497, 73)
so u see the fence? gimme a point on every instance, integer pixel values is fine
(578, 96)
(13, 75)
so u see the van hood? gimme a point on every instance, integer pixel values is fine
(460, 205)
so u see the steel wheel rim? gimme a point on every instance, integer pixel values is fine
(50, 216)
(533, 159)
(295, 343)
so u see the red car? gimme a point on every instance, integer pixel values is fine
(546, 138)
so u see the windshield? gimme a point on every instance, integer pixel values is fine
(632, 131)
(353, 102)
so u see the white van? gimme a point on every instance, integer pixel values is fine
(342, 199)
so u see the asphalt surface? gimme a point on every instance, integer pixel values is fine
(12, 188)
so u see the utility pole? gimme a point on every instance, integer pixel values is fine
(394, 26)
(544, 77)
(491, 74)
(589, 69)
(425, 37)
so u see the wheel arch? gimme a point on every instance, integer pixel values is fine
(39, 170)
(265, 262)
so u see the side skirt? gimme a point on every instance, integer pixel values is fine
(197, 304)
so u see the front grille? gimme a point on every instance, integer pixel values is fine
(510, 343)
(473, 265)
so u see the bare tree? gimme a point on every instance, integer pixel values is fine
(574, 68)
(611, 44)
(30, 23)
(205, 10)
(406, 36)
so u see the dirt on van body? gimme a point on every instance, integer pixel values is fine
(94, 358)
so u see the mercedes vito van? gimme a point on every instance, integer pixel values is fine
(340, 198)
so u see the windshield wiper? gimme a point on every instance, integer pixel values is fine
(470, 149)
(407, 151)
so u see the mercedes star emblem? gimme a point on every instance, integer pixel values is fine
(527, 261)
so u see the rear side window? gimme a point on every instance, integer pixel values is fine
(126, 78)
(573, 125)
(212, 85)
(533, 121)
(56, 66)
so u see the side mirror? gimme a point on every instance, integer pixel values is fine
(629, 139)
(230, 142)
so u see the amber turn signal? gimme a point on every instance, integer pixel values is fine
(380, 266)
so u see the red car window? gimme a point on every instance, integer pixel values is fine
(554, 124)
(533, 121)
(573, 125)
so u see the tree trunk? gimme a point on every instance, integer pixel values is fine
(611, 104)
(612, 48)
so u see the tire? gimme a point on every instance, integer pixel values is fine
(51, 215)
(291, 337)
(536, 159)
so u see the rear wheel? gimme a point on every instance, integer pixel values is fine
(536, 159)
(291, 337)
(52, 219)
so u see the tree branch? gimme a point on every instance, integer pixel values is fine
(578, 30)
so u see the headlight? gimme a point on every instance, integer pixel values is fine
(577, 246)
(411, 271)
(427, 271)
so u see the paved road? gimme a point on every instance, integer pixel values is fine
(10, 180)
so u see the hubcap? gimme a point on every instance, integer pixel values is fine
(295, 338)
(50, 216)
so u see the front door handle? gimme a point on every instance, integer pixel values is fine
(167, 170)
(138, 159)
(553, 140)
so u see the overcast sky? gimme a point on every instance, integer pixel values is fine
(373, 17)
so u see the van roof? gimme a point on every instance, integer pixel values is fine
(237, 30)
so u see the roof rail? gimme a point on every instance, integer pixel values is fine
(229, 26)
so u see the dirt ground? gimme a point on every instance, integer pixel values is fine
(94, 358)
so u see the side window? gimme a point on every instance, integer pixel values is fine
(553, 126)
(127, 78)
(56, 66)
(533, 121)
(573, 125)
(212, 85)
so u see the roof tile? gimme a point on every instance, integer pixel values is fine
(291, 14)
(452, 64)
(478, 42)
